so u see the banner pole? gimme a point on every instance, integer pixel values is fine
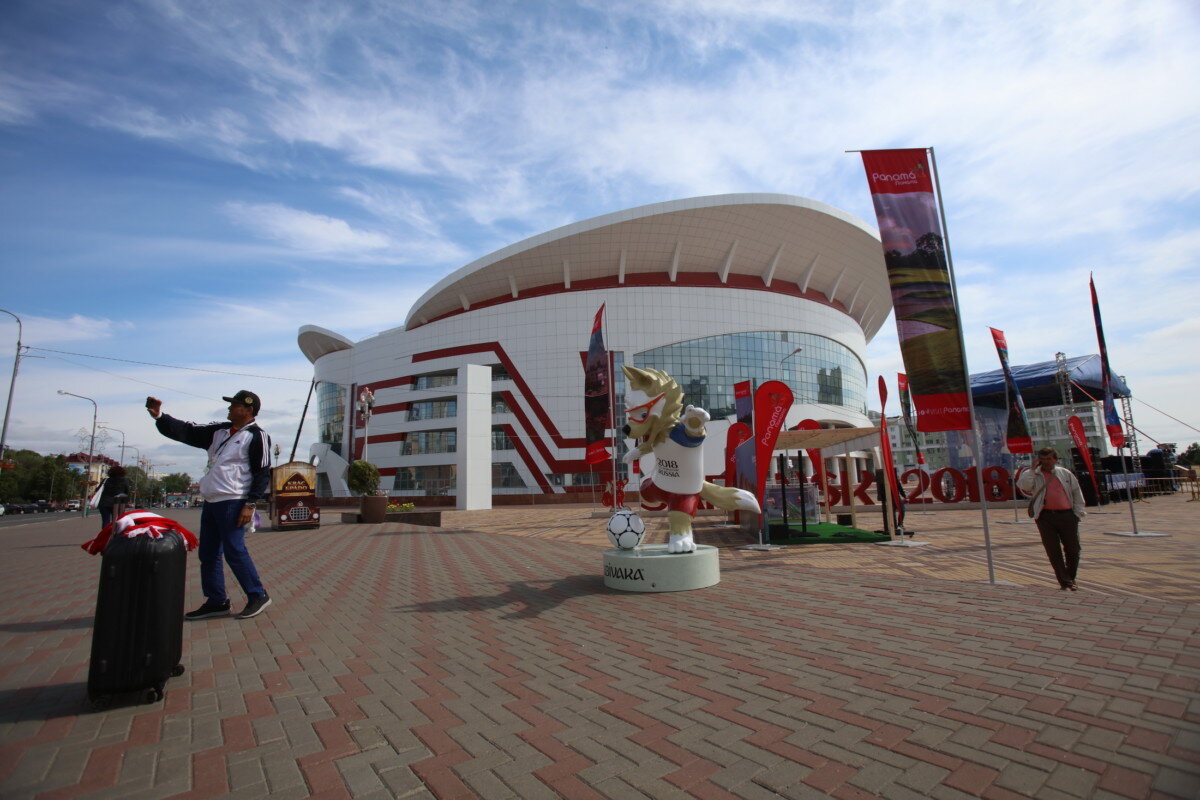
(978, 444)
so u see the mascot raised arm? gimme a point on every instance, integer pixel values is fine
(656, 418)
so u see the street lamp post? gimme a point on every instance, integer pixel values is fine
(117, 430)
(366, 406)
(91, 446)
(12, 385)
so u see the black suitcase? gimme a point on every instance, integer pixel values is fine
(137, 639)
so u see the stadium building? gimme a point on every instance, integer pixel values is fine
(479, 395)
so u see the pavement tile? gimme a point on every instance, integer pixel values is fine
(494, 663)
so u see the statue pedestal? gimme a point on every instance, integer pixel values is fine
(650, 568)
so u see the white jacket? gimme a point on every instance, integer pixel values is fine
(1033, 483)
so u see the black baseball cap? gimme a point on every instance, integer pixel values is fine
(247, 399)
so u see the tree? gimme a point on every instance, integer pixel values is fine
(363, 477)
(176, 482)
(1191, 455)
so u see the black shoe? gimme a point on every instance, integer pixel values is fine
(255, 606)
(209, 609)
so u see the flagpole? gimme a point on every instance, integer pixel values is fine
(978, 445)
(612, 411)
(1106, 379)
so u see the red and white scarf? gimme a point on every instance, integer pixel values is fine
(139, 523)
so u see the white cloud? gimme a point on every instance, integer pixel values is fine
(75, 328)
(304, 231)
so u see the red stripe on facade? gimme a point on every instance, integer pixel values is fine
(496, 349)
(694, 280)
(528, 458)
(388, 384)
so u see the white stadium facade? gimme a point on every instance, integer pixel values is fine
(479, 396)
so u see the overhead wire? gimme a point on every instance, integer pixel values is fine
(171, 366)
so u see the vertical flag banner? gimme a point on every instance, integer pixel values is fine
(889, 463)
(919, 274)
(1017, 437)
(1075, 426)
(906, 410)
(738, 432)
(814, 455)
(596, 393)
(771, 403)
(743, 405)
(1116, 436)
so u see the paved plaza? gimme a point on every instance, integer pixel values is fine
(487, 659)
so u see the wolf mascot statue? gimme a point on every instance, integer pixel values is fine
(656, 417)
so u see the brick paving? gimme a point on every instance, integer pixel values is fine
(487, 659)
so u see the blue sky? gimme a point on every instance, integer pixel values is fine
(186, 183)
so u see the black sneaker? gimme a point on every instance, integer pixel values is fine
(255, 606)
(209, 609)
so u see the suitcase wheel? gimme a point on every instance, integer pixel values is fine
(153, 695)
(177, 670)
(100, 701)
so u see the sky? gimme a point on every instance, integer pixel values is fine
(183, 184)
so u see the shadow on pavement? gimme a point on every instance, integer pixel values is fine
(41, 626)
(527, 598)
(44, 702)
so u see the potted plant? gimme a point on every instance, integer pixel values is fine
(363, 479)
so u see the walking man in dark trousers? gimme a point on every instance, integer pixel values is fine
(1056, 504)
(238, 478)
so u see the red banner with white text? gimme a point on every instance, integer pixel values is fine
(771, 403)
(918, 271)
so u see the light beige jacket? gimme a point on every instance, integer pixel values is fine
(1033, 483)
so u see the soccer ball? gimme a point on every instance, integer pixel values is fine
(626, 529)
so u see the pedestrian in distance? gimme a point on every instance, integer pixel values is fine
(238, 478)
(1056, 504)
(115, 484)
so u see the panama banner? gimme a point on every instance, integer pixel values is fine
(1017, 438)
(919, 275)
(1116, 436)
(771, 403)
(596, 404)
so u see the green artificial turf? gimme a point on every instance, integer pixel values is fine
(825, 533)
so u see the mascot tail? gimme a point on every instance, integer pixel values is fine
(729, 498)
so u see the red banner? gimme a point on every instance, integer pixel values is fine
(1017, 437)
(738, 432)
(1112, 423)
(814, 455)
(906, 410)
(771, 403)
(1075, 426)
(885, 442)
(919, 274)
(597, 407)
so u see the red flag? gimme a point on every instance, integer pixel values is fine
(814, 454)
(1017, 437)
(597, 383)
(1075, 426)
(889, 465)
(922, 293)
(738, 432)
(1116, 436)
(771, 403)
(906, 410)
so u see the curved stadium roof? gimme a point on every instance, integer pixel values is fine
(769, 242)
